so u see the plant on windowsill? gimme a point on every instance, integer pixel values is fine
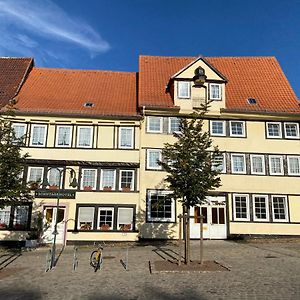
(105, 227)
(107, 188)
(85, 227)
(34, 185)
(88, 188)
(53, 187)
(126, 189)
(125, 227)
(3, 226)
(18, 226)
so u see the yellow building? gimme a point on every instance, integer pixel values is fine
(106, 130)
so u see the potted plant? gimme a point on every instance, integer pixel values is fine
(53, 187)
(85, 226)
(88, 188)
(34, 185)
(107, 188)
(126, 189)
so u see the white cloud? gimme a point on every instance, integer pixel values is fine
(24, 22)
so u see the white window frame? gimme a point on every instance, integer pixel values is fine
(162, 220)
(148, 160)
(273, 136)
(112, 216)
(224, 164)
(118, 217)
(247, 207)
(267, 208)
(22, 208)
(160, 130)
(170, 129)
(244, 163)
(24, 125)
(281, 164)
(285, 208)
(288, 163)
(120, 179)
(92, 219)
(211, 85)
(57, 136)
(48, 175)
(5, 220)
(131, 139)
(243, 134)
(95, 178)
(31, 135)
(297, 130)
(223, 126)
(101, 179)
(263, 164)
(29, 170)
(179, 89)
(91, 136)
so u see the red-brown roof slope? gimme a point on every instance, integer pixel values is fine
(61, 91)
(13, 72)
(248, 77)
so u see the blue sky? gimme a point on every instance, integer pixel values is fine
(111, 34)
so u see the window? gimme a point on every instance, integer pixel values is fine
(174, 124)
(274, 130)
(54, 177)
(35, 174)
(63, 136)
(127, 180)
(154, 124)
(125, 218)
(260, 208)
(89, 179)
(291, 130)
(19, 130)
(5, 217)
(276, 165)
(279, 208)
(184, 89)
(218, 163)
(241, 207)
(86, 218)
(38, 135)
(238, 164)
(215, 92)
(108, 179)
(237, 128)
(126, 137)
(217, 128)
(105, 218)
(257, 164)
(20, 217)
(293, 165)
(160, 207)
(85, 137)
(153, 156)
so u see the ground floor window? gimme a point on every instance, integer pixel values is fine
(105, 217)
(15, 217)
(241, 207)
(160, 207)
(279, 208)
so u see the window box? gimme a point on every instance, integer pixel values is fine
(86, 226)
(126, 189)
(125, 227)
(53, 187)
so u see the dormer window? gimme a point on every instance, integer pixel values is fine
(215, 91)
(184, 89)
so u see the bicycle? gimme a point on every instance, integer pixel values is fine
(96, 259)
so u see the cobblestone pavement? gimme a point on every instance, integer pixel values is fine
(259, 270)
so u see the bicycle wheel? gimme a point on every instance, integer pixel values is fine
(93, 259)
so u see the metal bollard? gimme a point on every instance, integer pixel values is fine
(75, 259)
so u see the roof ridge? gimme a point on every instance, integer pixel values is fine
(12, 57)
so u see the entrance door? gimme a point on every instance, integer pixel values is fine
(50, 216)
(214, 219)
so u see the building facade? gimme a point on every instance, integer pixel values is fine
(107, 130)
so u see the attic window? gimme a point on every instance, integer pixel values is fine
(88, 104)
(251, 101)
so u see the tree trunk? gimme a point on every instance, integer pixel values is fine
(186, 233)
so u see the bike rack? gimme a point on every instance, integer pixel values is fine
(75, 259)
(48, 260)
(124, 263)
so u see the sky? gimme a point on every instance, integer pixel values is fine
(111, 34)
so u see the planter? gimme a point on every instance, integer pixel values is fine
(107, 188)
(86, 227)
(126, 189)
(53, 187)
(105, 227)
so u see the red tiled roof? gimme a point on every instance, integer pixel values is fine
(248, 77)
(66, 91)
(12, 74)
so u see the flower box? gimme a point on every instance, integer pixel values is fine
(85, 227)
(105, 227)
(53, 187)
(87, 188)
(126, 189)
(107, 188)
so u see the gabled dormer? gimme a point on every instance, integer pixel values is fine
(197, 83)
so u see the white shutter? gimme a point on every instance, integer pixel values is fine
(125, 216)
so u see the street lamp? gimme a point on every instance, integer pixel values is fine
(73, 184)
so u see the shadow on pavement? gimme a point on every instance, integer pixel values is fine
(8, 294)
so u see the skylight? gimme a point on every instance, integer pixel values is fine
(88, 104)
(251, 101)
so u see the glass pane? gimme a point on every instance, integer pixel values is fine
(214, 215)
(196, 214)
(221, 215)
(49, 215)
(60, 215)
